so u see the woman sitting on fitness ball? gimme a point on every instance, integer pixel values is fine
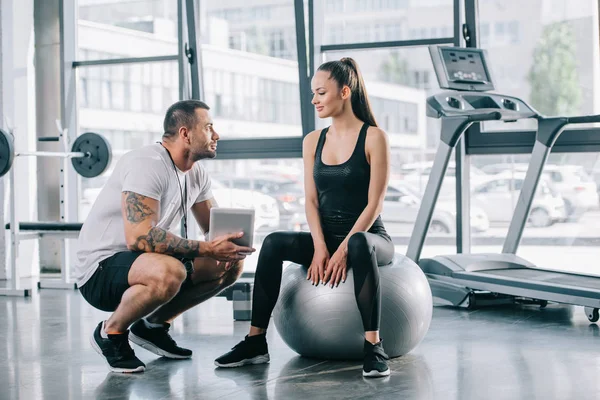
(346, 170)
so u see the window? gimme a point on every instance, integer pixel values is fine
(528, 43)
(267, 30)
(386, 20)
(128, 28)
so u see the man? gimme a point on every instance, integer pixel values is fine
(128, 260)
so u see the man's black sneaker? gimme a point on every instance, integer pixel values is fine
(251, 350)
(375, 363)
(157, 340)
(116, 351)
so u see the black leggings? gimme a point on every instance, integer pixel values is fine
(366, 251)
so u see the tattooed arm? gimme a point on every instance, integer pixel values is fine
(140, 214)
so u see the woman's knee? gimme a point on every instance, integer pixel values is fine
(275, 245)
(358, 245)
(274, 241)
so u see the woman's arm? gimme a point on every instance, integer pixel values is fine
(311, 206)
(378, 156)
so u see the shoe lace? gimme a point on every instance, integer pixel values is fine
(378, 354)
(162, 334)
(121, 343)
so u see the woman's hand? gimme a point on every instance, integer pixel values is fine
(337, 267)
(316, 271)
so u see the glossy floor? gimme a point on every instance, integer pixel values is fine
(501, 353)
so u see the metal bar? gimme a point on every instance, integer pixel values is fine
(74, 154)
(472, 22)
(129, 60)
(180, 54)
(316, 37)
(432, 190)
(194, 53)
(50, 283)
(303, 73)
(388, 44)
(14, 233)
(462, 180)
(457, 22)
(530, 184)
(522, 141)
(311, 39)
(260, 148)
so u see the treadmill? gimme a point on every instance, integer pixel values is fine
(462, 279)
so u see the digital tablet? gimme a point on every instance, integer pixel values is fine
(224, 221)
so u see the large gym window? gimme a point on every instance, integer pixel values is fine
(127, 28)
(546, 55)
(360, 21)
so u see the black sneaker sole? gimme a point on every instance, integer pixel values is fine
(141, 368)
(376, 374)
(153, 348)
(263, 359)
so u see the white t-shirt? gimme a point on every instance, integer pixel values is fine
(147, 171)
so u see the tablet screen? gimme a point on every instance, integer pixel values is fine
(225, 221)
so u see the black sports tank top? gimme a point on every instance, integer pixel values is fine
(343, 189)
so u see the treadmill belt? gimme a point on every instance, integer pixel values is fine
(549, 277)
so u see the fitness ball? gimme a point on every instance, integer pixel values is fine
(321, 322)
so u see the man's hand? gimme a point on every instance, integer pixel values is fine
(223, 249)
(337, 267)
(316, 270)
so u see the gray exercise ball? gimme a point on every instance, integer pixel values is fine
(322, 322)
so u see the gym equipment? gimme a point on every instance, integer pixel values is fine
(321, 322)
(465, 279)
(90, 156)
(90, 153)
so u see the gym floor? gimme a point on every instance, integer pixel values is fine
(500, 353)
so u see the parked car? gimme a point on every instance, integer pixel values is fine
(266, 216)
(417, 175)
(266, 209)
(499, 194)
(572, 182)
(576, 186)
(288, 193)
(401, 206)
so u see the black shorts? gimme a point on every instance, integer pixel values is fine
(105, 288)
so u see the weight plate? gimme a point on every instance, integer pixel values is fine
(99, 154)
(7, 152)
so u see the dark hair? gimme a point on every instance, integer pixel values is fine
(346, 73)
(182, 113)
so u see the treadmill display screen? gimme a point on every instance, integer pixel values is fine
(464, 66)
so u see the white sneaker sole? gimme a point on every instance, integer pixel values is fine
(141, 368)
(376, 374)
(153, 349)
(248, 361)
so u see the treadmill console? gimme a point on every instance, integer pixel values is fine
(466, 72)
(460, 68)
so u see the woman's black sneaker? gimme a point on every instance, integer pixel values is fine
(157, 340)
(116, 351)
(375, 363)
(251, 350)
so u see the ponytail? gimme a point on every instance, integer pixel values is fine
(346, 73)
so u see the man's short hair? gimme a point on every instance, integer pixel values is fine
(182, 113)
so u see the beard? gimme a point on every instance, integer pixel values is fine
(203, 154)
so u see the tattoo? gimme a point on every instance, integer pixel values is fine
(136, 210)
(159, 240)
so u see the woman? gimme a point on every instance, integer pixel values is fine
(346, 170)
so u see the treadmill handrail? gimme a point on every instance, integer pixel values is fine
(485, 116)
(549, 129)
(584, 119)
